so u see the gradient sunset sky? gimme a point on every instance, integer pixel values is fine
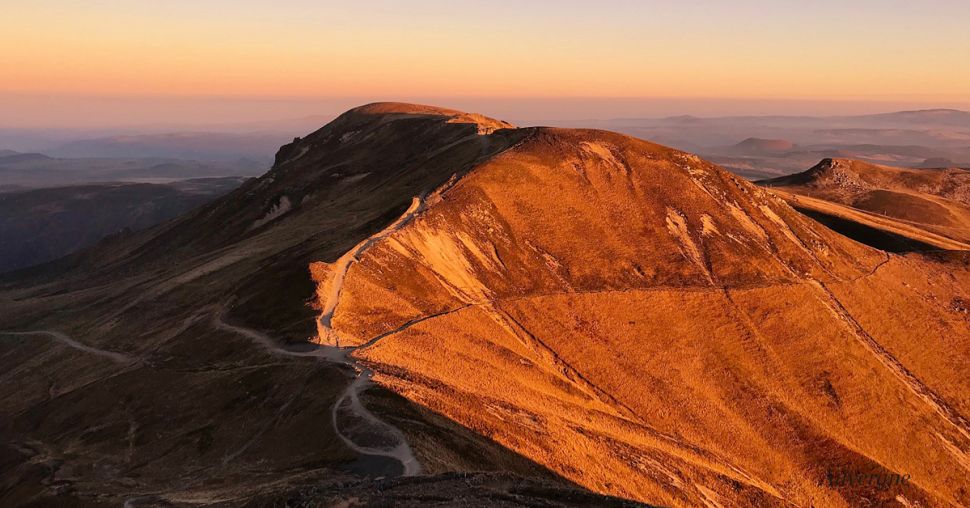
(701, 56)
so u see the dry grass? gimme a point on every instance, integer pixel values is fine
(648, 326)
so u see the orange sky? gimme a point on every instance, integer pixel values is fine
(885, 50)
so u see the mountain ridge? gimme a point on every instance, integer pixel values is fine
(936, 201)
(460, 284)
(574, 305)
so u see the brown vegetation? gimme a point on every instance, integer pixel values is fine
(926, 205)
(573, 306)
(650, 326)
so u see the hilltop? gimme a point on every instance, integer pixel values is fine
(417, 291)
(646, 301)
(931, 206)
(758, 146)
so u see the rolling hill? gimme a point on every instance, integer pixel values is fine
(928, 205)
(35, 170)
(40, 225)
(757, 146)
(212, 146)
(551, 315)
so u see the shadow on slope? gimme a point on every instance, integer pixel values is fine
(880, 239)
(270, 443)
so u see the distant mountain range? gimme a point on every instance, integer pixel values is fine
(39, 225)
(921, 117)
(939, 133)
(907, 138)
(31, 170)
(207, 146)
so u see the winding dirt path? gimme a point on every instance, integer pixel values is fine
(384, 440)
(393, 442)
(353, 423)
(65, 339)
(342, 265)
(331, 354)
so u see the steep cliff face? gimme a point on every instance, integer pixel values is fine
(650, 326)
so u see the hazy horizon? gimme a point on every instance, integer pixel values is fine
(235, 113)
(617, 253)
(130, 63)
